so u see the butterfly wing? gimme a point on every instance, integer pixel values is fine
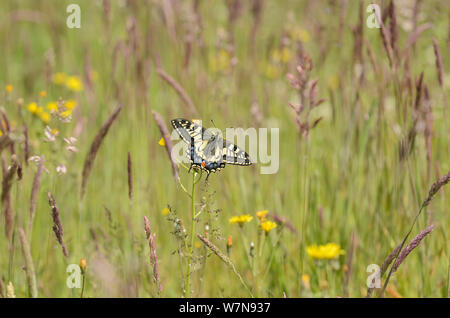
(186, 129)
(234, 155)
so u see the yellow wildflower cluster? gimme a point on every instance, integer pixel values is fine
(268, 226)
(72, 82)
(241, 219)
(327, 251)
(261, 215)
(38, 111)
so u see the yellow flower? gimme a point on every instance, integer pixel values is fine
(42, 94)
(45, 117)
(32, 107)
(162, 142)
(261, 215)
(74, 83)
(245, 218)
(70, 104)
(229, 241)
(55, 132)
(59, 78)
(165, 211)
(268, 226)
(1, 133)
(327, 251)
(52, 107)
(82, 265)
(305, 280)
(65, 114)
(8, 88)
(198, 244)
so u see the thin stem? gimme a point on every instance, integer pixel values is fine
(82, 286)
(190, 247)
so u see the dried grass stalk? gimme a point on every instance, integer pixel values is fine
(153, 257)
(57, 226)
(34, 193)
(414, 36)
(8, 179)
(410, 247)
(440, 71)
(95, 146)
(169, 146)
(177, 87)
(29, 267)
(5, 141)
(130, 177)
(433, 190)
(386, 39)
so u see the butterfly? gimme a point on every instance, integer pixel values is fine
(208, 151)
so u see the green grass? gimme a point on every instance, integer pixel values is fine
(345, 180)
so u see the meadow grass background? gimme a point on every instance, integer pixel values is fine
(344, 183)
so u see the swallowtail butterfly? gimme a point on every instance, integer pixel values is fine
(208, 150)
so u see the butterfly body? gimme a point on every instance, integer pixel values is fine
(208, 151)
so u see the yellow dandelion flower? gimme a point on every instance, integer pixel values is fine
(32, 107)
(8, 88)
(52, 107)
(268, 226)
(165, 211)
(162, 142)
(70, 104)
(59, 78)
(42, 94)
(74, 83)
(262, 215)
(45, 117)
(327, 251)
(241, 219)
